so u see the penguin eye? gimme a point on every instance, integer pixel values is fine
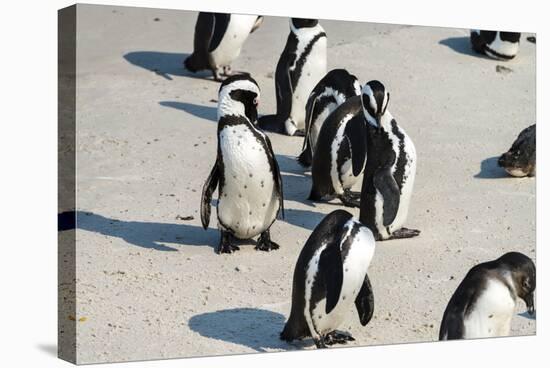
(256, 101)
(526, 284)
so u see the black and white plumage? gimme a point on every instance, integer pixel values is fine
(331, 91)
(520, 160)
(497, 45)
(246, 173)
(329, 277)
(390, 169)
(301, 65)
(218, 41)
(483, 304)
(339, 157)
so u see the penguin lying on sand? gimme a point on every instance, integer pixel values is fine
(330, 276)
(390, 169)
(218, 41)
(246, 173)
(520, 160)
(484, 302)
(496, 45)
(301, 65)
(331, 91)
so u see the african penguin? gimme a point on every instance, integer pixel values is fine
(301, 65)
(330, 275)
(331, 91)
(339, 157)
(497, 45)
(520, 160)
(483, 304)
(246, 173)
(218, 41)
(390, 169)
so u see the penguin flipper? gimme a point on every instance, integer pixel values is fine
(276, 176)
(356, 132)
(365, 302)
(385, 183)
(207, 190)
(330, 266)
(204, 30)
(259, 21)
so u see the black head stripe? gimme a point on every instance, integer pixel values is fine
(237, 77)
(247, 99)
(304, 23)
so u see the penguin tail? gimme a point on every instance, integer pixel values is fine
(270, 123)
(305, 157)
(295, 328)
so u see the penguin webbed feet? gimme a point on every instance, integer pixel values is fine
(404, 233)
(265, 243)
(350, 199)
(336, 337)
(225, 245)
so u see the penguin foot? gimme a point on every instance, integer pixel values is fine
(335, 337)
(225, 244)
(404, 233)
(265, 244)
(348, 200)
(216, 75)
(355, 195)
(299, 133)
(227, 72)
(320, 343)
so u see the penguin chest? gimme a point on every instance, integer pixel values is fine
(248, 203)
(310, 66)
(341, 171)
(492, 312)
(233, 39)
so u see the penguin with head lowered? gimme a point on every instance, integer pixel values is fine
(218, 41)
(496, 45)
(484, 302)
(390, 169)
(520, 159)
(340, 153)
(246, 173)
(330, 276)
(331, 91)
(301, 65)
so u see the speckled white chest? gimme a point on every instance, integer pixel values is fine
(314, 68)
(355, 269)
(492, 313)
(238, 29)
(248, 203)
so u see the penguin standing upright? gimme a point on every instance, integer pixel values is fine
(497, 45)
(483, 304)
(331, 91)
(339, 157)
(301, 65)
(246, 173)
(330, 275)
(390, 169)
(218, 41)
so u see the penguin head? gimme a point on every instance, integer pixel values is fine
(375, 101)
(523, 275)
(297, 23)
(239, 95)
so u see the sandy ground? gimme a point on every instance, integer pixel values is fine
(149, 284)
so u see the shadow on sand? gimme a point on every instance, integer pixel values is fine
(461, 45)
(165, 64)
(490, 170)
(256, 328)
(200, 111)
(149, 235)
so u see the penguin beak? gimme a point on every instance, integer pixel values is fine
(530, 304)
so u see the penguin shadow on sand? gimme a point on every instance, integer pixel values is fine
(255, 328)
(489, 169)
(462, 45)
(150, 235)
(165, 64)
(200, 111)
(528, 316)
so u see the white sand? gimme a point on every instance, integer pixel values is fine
(151, 286)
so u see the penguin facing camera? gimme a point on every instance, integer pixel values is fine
(339, 157)
(331, 91)
(301, 65)
(330, 276)
(520, 160)
(218, 41)
(494, 44)
(483, 304)
(390, 169)
(246, 173)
